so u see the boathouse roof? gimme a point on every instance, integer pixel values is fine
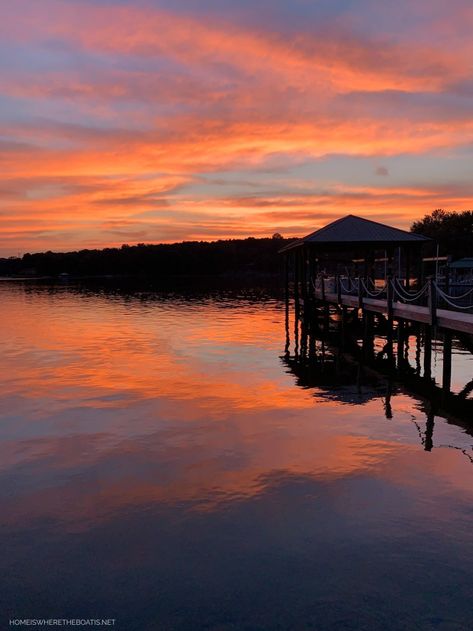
(358, 230)
(466, 263)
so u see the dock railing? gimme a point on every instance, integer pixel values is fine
(432, 294)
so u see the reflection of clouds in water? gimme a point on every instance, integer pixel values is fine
(159, 460)
(179, 422)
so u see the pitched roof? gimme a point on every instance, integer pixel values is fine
(353, 229)
(466, 263)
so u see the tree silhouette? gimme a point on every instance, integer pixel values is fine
(453, 231)
(235, 257)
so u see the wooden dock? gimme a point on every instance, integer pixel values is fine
(374, 278)
(393, 303)
(444, 318)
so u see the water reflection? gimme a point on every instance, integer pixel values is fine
(347, 370)
(160, 466)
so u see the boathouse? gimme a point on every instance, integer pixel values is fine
(354, 246)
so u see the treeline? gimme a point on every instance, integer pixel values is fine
(453, 231)
(224, 257)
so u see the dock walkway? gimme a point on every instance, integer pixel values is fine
(396, 302)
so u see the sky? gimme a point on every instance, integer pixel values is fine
(128, 121)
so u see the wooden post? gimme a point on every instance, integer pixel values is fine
(388, 410)
(343, 327)
(389, 300)
(296, 284)
(304, 340)
(304, 273)
(390, 320)
(316, 271)
(325, 307)
(418, 349)
(368, 339)
(369, 264)
(311, 273)
(339, 290)
(286, 282)
(390, 262)
(360, 292)
(286, 278)
(406, 342)
(327, 318)
(408, 268)
(421, 268)
(429, 430)
(432, 302)
(400, 344)
(447, 362)
(312, 352)
(427, 352)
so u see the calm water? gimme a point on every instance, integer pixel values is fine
(161, 466)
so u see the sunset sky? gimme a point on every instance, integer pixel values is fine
(145, 121)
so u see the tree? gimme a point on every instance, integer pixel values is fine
(453, 231)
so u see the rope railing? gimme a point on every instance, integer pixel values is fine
(374, 294)
(430, 294)
(461, 297)
(405, 295)
(354, 286)
(451, 300)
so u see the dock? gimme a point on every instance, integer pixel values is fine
(455, 318)
(367, 277)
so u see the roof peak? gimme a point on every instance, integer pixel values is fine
(355, 229)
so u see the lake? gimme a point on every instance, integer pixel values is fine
(161, 465)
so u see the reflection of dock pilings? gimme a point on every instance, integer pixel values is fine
(334, 364)
(331, 313)
(397, 347)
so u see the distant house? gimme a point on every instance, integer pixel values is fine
(462, 269)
